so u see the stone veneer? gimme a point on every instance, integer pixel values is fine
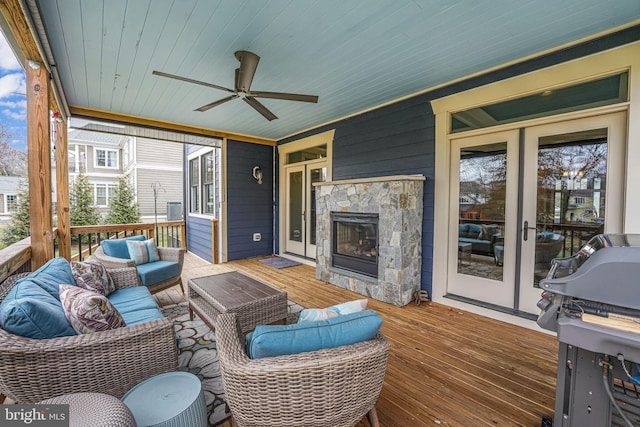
(398, 201)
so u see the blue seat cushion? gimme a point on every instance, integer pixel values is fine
(155, 272)
(118, 247)
(141, 316)
(55, 272)
(132, 299)
(278, 340)
(30, 311)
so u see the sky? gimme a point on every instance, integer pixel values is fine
(13, 101)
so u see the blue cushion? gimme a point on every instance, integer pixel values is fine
(475, 229)
(30, 311)
(132, 299)
(118, 247)
(155, 272)
(55, 272)
(141, 316)
(277, 340)
(463, 228)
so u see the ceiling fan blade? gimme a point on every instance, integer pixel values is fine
(248, 64)
(286, 96)
(216, 103)
(260, 108)
(188, 80)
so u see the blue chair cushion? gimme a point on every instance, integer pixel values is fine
(154, 272)
(141, 316)
(278, 340)
(132, 299)
(55, 272)
(30, 311)
(118, 247)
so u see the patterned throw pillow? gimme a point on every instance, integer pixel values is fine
(93, 276)
(88, 311)
(350, 307)
(143, 252)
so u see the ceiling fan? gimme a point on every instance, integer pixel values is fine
(244, 76)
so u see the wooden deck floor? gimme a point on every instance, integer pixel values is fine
(447, 367)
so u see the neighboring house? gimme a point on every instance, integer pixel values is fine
(8, 196)
(104, 157)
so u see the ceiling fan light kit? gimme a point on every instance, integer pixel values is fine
(243, 78)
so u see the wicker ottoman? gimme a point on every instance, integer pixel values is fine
(94, 410)
(255, 303)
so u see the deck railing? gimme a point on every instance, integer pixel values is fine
(85, 239)
(15, 258)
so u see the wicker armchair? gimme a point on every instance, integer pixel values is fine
(333, 387)
(166, 254)
(109, 362)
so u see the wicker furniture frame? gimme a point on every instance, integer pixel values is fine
(94, 410)
(166, 254)
(255, 303)
(334, 387)
(109, 362)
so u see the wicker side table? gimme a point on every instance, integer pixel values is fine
(254, 302)
(94, 409)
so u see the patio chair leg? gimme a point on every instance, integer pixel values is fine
(372, 416)
(184, 291)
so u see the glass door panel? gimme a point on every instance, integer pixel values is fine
(573, 175)
(295, 231)
(315, 173)
(484, 178)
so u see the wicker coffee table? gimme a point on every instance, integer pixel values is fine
(254, 302)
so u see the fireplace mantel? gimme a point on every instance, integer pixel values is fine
(398, 201)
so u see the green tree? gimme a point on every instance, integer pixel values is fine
(82, 209)
(123, 206)
(19, 226)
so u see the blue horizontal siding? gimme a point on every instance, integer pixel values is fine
(199, 237)
(249, 204)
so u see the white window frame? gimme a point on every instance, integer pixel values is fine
(106, 158)
(109, 187)
(6, 202)
(198, 157)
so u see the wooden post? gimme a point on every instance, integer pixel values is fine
(214, 240)
(62, 190)
(39, 161)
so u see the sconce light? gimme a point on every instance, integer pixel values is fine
(257, 174)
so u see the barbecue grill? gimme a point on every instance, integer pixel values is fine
(592, 301)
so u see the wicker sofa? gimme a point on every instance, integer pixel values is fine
(330, 387)
(109, 362)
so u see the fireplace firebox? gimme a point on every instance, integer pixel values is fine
(355, 242)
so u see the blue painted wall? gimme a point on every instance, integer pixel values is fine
(249, 204)
(399, 139)
(199, 237)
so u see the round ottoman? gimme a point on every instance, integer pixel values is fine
(94, 410)
(174, 399)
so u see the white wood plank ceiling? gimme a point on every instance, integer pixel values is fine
(354, 55)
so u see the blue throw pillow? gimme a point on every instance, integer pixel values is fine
(55, 272)
(30, 311)
(278, 340)
(117, 248)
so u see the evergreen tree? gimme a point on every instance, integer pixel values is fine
(123, 206)
(19, 226)
(82, 209)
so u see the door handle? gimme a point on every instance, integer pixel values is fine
(525, 230)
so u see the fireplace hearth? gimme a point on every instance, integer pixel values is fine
(355, 242)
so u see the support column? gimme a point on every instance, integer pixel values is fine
(39, 161)
(62, 189)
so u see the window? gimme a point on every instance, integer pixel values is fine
(194, 184)
(106, 158)
(578, 200)
(103, 193)
(202, 179)
(11, 203)
(207, 183)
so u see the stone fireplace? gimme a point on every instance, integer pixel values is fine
(369, 236)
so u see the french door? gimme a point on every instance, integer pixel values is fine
(523, 197)
(301, 206)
